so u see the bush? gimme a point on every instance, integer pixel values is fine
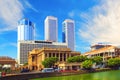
(97, 59)
(49, 62)
(87, 64)
(76, 59)
(113, 62)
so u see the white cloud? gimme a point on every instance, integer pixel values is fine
(102, 23)
(3, 46)
(71, 14)
(30, 6)
(10, 12)
(13, 44)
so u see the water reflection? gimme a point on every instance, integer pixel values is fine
(110, 75)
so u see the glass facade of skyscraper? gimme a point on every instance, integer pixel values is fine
(68, 35)
(51, 26)
(25, 30)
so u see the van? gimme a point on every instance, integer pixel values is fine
(48, 70)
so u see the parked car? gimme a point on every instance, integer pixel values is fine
(24, 70)
(48, 70)
(58, 70)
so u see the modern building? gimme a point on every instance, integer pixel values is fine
(68, 33)
(25, 46)
(51, 28)
(36, 56)
(105, 52)
(25, 30)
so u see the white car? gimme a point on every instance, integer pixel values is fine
(48, 70)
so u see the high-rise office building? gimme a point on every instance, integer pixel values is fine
(25, 30)
(68, 33)
(51, 26)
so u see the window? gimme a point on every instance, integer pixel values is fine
(64, 57)
(26, 22)
(60, 59)
(49, 54)
(33, 58)
(45, 54)
(30, 23)
(53, 54)
(60, 56)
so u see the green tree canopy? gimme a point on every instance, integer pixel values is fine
(87, 64)
(97, 59)
(76, 59)
(114, 62)
(49, 62)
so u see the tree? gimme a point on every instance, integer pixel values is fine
(114, 62)
(49, 62)
(76, 59)
(87, 64)
(71, 59)
(97, 59)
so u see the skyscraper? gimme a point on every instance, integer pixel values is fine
(25, 30)
(68, 33)
(51, 26)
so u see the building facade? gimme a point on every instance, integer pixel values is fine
(25, 46)
(98, 46)
(6, 61)
(36, 56)
(25, 30)
(68, 33)
(106, 52)
(51, 29)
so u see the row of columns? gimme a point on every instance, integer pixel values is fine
(61, 56)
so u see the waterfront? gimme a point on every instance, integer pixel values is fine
(109, 75)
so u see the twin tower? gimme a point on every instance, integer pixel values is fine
(26, 30)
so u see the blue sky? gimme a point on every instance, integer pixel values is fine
(96, 21)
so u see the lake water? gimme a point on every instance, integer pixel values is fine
(109, 75)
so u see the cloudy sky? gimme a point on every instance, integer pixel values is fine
(96, 21)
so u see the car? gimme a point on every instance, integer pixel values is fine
(24, 70)
(48, 70)
(57, 69)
